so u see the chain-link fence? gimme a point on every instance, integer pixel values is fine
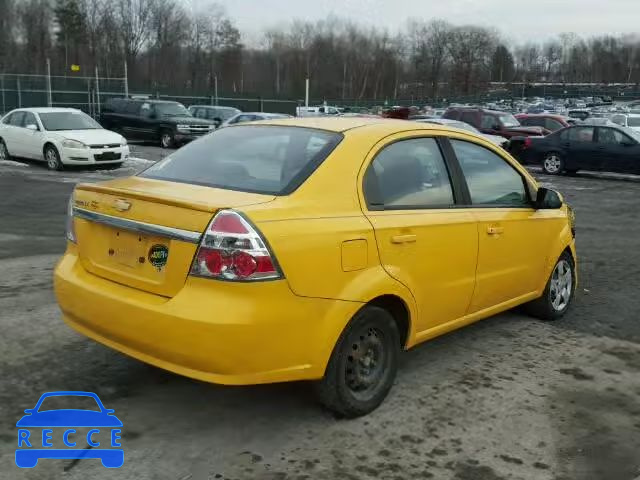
(89, 94)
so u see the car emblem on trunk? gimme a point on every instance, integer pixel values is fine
(121, 205)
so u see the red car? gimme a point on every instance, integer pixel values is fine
(547, 121)
(492, 122)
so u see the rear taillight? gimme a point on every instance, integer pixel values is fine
(71, 230)
(527, 142)
(232, 249)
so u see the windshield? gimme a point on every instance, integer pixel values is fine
(261, 159)
(171, 109)
(57, 121)
(65, 402)
(631, 132)
(223, 113)
(633, 121)
(509, 121)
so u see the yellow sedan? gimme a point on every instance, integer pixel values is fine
(312, 249)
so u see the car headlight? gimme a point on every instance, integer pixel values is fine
(123, 142)
(182, 127)
(68, 143)
(212, 127)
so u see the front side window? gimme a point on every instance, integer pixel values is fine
(262, 159)
(29, 119)
(490, 178)
(488, 122)
(409, 174)
(612, 137)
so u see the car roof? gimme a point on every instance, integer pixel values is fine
(46, 110)
(343, 124)
(220, 107)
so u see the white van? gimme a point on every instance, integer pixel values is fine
(316, 111)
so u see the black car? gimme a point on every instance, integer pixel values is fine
(216, 114)
(582, 147)
(169, 123)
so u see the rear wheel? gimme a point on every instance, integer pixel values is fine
(558, 294)
(363, 364)
(4, 153)
(552, 164)
(52, 157)
(167, 139)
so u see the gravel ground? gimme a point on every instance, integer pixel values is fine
(506, 398)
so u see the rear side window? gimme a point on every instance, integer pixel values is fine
(262, 159)
(16, 119)
(468, 117)
(491, 180)
(581, 134)
(553, 125)
(409, 174)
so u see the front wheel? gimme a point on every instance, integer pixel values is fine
(558, 294)
(4, 152)
(363, 364)
(552, 164)
(167, 139)
(52, 157)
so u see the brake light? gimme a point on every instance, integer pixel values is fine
(70, 227)
(527, 142)
(232, 249)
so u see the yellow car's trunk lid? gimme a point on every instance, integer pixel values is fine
(144, 233)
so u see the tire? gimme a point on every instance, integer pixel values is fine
(52, 157)
(167, 139)
(4, 151)
(553, 164)
(363, 364)
(550, 306)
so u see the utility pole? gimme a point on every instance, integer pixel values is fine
(215, 87)
(98, 91)
(306, 92)
(126, 81)
(49, 99)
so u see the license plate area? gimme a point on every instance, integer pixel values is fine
(128, 249)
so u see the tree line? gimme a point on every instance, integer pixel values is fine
(188, 47)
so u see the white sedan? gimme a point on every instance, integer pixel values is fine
(60, 136)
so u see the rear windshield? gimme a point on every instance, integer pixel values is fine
(262, 159)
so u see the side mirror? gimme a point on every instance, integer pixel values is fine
(29, 410)
(547, 199)
(33, 126)
(217, 121)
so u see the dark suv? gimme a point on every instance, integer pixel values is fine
(169, 123)
(492, 122)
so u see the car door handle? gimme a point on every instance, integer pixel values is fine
(493, 230)
(403, 239)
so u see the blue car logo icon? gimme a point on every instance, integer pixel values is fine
(32, 446)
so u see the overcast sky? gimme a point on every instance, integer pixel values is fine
(517, 20)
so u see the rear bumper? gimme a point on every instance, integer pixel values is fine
(220, 332)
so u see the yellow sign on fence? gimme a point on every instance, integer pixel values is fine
(75, 68)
